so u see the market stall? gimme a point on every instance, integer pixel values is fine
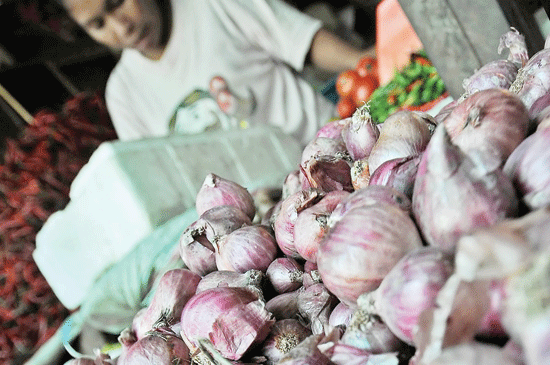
(411, 230)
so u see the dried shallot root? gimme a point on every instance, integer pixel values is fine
(221, 278)
(455, 194)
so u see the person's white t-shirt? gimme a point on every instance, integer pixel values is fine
(258, 46)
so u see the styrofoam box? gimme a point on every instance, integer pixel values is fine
(127, 189)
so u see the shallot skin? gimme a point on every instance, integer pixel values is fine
(216, 190)
(362, 247)
(454, 194)
(489, 125)
(411, 286)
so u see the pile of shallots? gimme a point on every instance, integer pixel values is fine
(422, 240)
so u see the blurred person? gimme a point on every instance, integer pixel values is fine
(174, 51)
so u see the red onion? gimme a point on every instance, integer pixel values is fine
(161, 346)
(328, 173)
(173, 291)
(285, 274)
(410, 287)
(195, 245)
(223, 278)
(285, 305)
(404, 133)
(515, 42)
(446, 110)
(286, 218)
(533, 79)
(527, 166)
(398, 173)
(488, 125)
(454, 194)
(495, 74)
(360, 133)
(311, 224)
(322, 146)
(292, 184)
(233, 319)
(315, 304)
(370, 195)
(368, 332)
(284, 336)
(216, 190)
(246, 248)
(362, 247)
(333, 129)
(341, 315)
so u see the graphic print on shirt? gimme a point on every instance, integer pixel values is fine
(199, 112)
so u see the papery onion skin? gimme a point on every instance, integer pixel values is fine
(362, 247)
(284, 336)
(454, 194)
(159, 348)
(328, 173)
(341, 315)
(195, 244)
(360, 133)
(410, 287)
(370, 195)
(174, 289)
(216, 190)
(490, 124)
(398, 173)
(234, 319)
(315, 303)
(367, 332)
(247, 248)
(286, 218)
(404, 133)
(333, 129)
(284, 305)
(495, 74)
(527, 166)
(221, 278)
(312, 224)
(285, 274)
(306, 353)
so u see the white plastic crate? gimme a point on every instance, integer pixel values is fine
(127, 189)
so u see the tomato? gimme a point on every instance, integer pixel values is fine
(363, 89)
(366, 66)
(345, 83)
(346, 107)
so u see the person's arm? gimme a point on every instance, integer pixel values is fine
(331, 53)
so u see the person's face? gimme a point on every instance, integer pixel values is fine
(120, 24)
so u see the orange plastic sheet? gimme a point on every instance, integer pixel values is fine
(396, 39)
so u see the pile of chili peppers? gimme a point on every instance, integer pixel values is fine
(35, 176)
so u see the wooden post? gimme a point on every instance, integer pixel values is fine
(459, 36)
